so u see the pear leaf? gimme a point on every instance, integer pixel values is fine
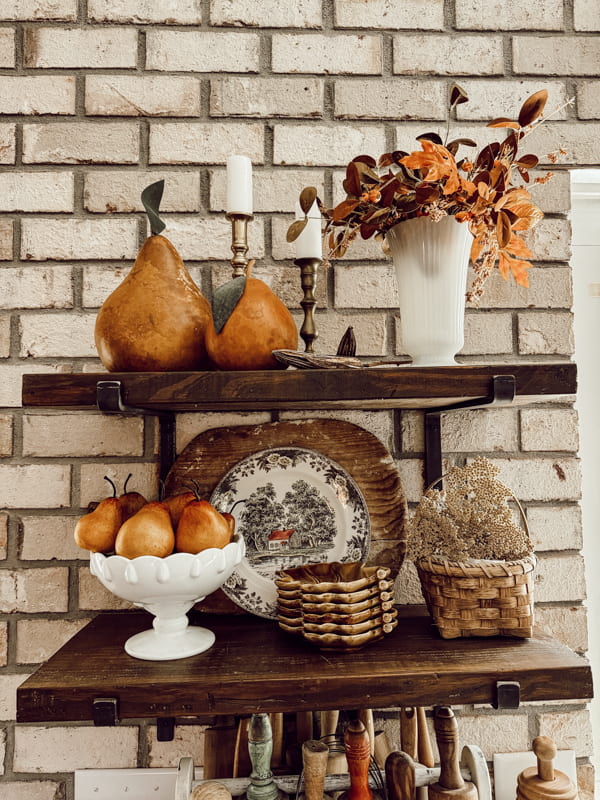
(225, 299)
(151, 197)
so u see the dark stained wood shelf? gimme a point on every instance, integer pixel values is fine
(396, 387)
(254, 666)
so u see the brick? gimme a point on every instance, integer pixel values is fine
(205, 143)
(555, 527)
(549, 287)
(586, 781)
(8, 694)
(580, 142)
(495, 15)
(588, 102)
(549, 429)
(99, 281)
(477, 430)
(445, 55)
(81, 143)
(487, 334)
(27, 590)
(66, 239)
(11, 377)
(380, 423)
(369, 329)
(109, 191)
(82, 435)
(545, 333)
(4, 520)
(411, 477)
(190, 425)
(550, 239)
(57, 335)
(390, 14)
(62, 749)
(390, 99)
(495, 733)
(38, 639)
(45, 538)
(266, 97)
(6, 435)
(4, 335)
(543, 479)
(35, 485)
(198, 239)
(3, 643)
(36, 191)
(65, 10)
(2, 751)
(586, 15)
(147, 96)
(266, 14)
(144, 479)
(559, 578)
(568, 624)
(357, 287)
(6, 239)
(489, 99)
(32, 790)
(94, 48)
(202, 51)
(323, 145)
(7, 47)
(568, 730)
(182, 12)
(553, 197)
(556, 55)
(94, 597)
(314, 53)
(187, 739)
(273, 189)
(7, 144)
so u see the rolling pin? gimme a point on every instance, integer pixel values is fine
(400, 779)
(408, 731)
(543, 782)
(314, 764)
(219, 750)
(336, 762)
(358, 756)
(450, 784)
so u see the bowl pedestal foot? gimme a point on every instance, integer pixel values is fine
(169, 639)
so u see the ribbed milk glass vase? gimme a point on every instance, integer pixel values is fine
(431, 260)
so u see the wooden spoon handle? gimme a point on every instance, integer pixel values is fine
(408, 730)
(424, 748)
(446, 732)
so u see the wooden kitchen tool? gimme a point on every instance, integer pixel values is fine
(336, 761)
(382, 748)
(543, 782)
(365, 715)
(241, 757)
(400, 777)
(277, 731)
(408, 731)
(314, 766)
(260, 747)
(450, 783)
(424, 748)
(358, 756)
(219, 750)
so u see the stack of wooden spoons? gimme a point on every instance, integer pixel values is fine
(337, 606)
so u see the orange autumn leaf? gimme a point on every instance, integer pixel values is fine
(435, 163)
(517, 247)
(515, 266)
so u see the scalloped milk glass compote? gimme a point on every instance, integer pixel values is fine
(168, 588)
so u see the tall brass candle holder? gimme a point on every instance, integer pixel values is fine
(239, 242)
(308, 276)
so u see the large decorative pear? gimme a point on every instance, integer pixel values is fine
(156, 319)
(250, 321)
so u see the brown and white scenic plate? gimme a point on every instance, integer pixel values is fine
(360, 454)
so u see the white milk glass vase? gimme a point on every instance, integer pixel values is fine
(431, 260)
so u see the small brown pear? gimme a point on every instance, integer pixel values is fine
(147, 533)
(201, 526)
(97, 531)
(130, 502)
(176, 503)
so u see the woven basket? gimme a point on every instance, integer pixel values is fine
(478, 597)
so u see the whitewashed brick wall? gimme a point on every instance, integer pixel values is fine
(98, 98)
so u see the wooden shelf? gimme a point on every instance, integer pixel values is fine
(254, 666)
(398, 387)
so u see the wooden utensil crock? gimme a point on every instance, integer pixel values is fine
(543, 782)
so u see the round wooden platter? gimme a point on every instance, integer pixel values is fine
(211, 454)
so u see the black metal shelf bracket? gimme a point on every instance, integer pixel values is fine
(503, 392)
(109, 400)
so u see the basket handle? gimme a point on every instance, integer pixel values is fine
(513, 495)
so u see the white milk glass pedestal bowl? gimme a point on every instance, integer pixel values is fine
(168, 588)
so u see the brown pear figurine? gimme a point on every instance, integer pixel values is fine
(201, 526)
(147, 533)
(156, 319)
(130, 502)
(97, 531)
(176, 503)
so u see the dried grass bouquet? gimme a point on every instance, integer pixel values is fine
(470, 518)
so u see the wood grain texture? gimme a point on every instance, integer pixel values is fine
(254, 666)
(398, 387)
(209, 456)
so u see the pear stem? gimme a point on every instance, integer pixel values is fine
(126, 482)
(114, 488)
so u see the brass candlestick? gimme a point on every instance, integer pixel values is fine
(308, 276)
(239, 242)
